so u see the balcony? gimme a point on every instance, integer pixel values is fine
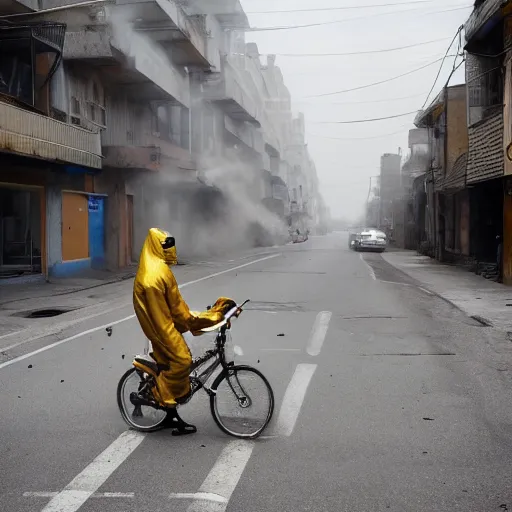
(166, 23)
(227, 91)
(130, 61)
(29, 133)
(153, 154)
(18, 6)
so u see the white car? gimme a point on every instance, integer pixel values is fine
(371, 240)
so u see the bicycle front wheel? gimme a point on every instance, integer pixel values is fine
(242, 402)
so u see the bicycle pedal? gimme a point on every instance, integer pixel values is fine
(185, 430)
(138, 400)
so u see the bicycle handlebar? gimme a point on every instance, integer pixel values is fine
(227, 317)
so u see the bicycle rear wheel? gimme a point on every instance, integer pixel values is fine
(242, 402)
(143, 418)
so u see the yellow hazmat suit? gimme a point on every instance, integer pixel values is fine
(164, 315)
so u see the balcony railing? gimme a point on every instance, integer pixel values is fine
(36, 135)
(232, 96)
(151, 153)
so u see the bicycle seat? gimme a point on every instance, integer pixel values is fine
(146, 363)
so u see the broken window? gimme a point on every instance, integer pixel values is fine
(29, 55)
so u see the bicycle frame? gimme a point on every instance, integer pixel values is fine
(220, 360)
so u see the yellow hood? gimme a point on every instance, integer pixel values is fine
(152, 248)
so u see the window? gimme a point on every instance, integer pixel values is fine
(75, 111)
(75, 106)
(96, 112)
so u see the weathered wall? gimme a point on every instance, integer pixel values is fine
(457, 131)
(486, 149)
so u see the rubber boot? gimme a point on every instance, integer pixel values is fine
(176, 423)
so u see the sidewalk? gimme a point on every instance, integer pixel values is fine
(488, 302)
(20, 289)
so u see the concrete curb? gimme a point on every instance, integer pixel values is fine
(485, 322)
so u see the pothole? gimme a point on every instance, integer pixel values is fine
(44, 313)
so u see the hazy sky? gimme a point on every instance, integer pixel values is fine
(347, 155)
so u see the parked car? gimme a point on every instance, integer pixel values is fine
(371, 240)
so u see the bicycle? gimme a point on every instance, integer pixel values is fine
(242, 386)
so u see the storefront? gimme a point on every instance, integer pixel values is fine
(22, 230)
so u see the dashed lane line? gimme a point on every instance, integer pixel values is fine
(293, 399)
(223, 478)
(319, 332)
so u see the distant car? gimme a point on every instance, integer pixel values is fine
(298, 237)
(371, 240)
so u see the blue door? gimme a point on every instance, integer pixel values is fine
(97, 231)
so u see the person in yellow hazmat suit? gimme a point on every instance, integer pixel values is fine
(164, 316)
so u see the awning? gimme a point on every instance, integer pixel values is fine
(427, 117)
(456, 180)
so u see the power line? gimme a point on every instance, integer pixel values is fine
(384, 135)
(385, 100)
(366, 120)
(376, 83)
(442, 63)
(347, 8)
(364, 52)
(324, 23)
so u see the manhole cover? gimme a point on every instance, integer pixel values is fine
(45, 313)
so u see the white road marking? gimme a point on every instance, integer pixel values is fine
(86, 483)
(293, 399)
(370, 269)
(130, 317)
(95, 495)
(318, 332)
(216, 274)
(57, 343)
(428, 292)
(203, 496)
(223, 477)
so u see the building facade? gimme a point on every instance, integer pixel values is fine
(117, 117)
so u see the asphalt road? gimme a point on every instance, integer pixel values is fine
(387, 398)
